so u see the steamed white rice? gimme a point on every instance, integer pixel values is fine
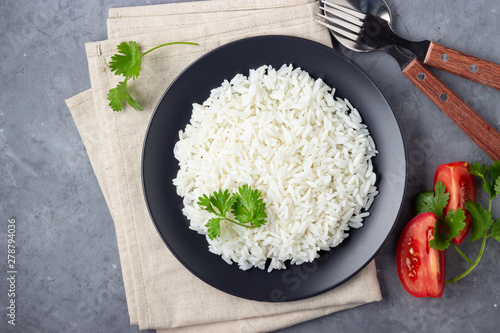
(286, 135)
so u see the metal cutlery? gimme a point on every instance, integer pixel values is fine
(365, 32)
(377, 32)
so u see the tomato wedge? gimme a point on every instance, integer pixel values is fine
(462, 186)
(421, 269)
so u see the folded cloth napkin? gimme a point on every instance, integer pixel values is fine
(161, 293)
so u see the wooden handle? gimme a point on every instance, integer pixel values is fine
(475, 69)
(484, 135)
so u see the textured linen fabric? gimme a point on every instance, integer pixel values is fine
(161, 293)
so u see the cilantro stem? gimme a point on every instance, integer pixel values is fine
(157, 47)
(238, 223)
(234, 221)
(464, 274)
(461, 253)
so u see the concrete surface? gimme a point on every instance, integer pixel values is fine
(68, 271)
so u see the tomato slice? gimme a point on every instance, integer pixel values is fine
(462, 186)
(421, 269)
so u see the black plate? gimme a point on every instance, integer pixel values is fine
(159, 167)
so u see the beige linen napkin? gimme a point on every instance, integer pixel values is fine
(161, 293)
(136, 20)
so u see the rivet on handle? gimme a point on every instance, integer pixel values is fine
(420, 76)
(443, 97)
(473, 68)
(445, 57)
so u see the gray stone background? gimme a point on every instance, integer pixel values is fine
(69, 277)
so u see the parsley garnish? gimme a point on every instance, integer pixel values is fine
(453, 224)
(480, 170)
(246, 206)
(128, 64)
(483, 225)
(447, 227)
(433, 202)
(481, 219)
(116, 96)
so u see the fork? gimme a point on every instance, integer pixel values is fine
(363, 32)
(362, 28)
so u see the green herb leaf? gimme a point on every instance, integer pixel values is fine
(495, 178)
(117, 94)
(440, 241)
(445, 232)
(435, 203)
(222, 201)
(497, 186)
(481, 171)
(133, 103)
(213, 227)
(455, 223)
(422, 200)
(481, 219)
(128, 63)
(204, 203)
(495, 231)
(248, 207)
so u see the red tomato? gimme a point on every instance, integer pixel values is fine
(462, 186)
(421, 269)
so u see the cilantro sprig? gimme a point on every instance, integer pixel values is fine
(246, 206)
(481, 171)
(483, 224)
(447, 227)
(482, 219)
(127, 62)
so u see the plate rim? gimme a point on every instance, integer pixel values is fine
(362, 72)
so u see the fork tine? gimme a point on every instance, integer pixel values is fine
(332, 18)
(346, 10)
(345, 17)
(339, 31)
(341, 22)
